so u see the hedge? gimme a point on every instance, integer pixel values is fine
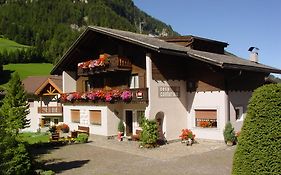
(259, 145)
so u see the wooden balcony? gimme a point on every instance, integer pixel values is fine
(139, 95)
(115, 64)
(50, 110)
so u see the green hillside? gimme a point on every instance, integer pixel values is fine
(51, 26)
(31, 69)
(6, 44)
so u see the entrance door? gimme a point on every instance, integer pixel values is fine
(129, 122)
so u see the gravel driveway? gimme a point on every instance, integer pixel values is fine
(105, 157)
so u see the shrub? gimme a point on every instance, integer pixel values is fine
(258, 151)
(82, 138)
(63, 127)
(229, 133)
(121, 127)
(149, 134)
(48, 172)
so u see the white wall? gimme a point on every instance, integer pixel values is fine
(238, 99)
(208, 100)
(174, 108)
(85, 118)
(33, 116)
(68, 81)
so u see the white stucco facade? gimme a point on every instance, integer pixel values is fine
(35, 116)
(111, 114)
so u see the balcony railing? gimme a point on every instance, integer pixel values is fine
(50, 110)
(115, 63)
(138, 95)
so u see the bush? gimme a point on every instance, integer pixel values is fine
(258, 151)
(82, 138)
(121, 127)
(48, 172)
(149, 134)
(15, 159)
(229, 133)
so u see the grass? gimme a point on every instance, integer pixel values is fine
(29, 69)
(33, 138)
(10, 45)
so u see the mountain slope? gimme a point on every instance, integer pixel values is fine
(51, 26)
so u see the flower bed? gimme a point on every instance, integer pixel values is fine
(110, 96)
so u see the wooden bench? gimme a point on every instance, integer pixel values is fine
(55, 137)
(83, 129)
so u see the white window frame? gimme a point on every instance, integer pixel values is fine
(240, 109)
(134, 81)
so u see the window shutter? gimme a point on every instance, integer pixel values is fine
(95, 117)
(75, 116)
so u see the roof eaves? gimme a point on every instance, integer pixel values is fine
(250, 68)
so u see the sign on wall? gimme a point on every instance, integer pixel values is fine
(168, 91)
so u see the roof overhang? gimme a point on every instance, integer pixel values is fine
(166, 48)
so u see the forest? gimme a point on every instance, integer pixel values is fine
(49, 27)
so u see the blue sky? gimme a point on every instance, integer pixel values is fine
(240, 23)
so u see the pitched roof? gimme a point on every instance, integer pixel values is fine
(33, 83)
(222, 60)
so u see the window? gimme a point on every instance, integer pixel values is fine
(140, 115)
(87, 86)
(239, 113)
(56, 121)
(134, 81)
(75, 116)
(95, 117)
(206, 118)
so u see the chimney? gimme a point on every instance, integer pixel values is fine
(254, 55)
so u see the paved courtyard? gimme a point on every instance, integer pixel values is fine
(101, 156)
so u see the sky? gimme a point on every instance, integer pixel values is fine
(240, 23)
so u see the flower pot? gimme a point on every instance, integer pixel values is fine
(229, 143)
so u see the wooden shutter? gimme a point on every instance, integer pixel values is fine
(75, 116)
(95, 117)
(209, 116)
(206, 114)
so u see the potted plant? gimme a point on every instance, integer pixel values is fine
(121, 129)
(229, 134)
(187, 136)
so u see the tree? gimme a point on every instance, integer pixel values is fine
(15, 106)
(14, 158)
(258, 150)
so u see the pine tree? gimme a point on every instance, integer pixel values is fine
(15, 107)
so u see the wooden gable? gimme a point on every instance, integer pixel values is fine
(48, 88)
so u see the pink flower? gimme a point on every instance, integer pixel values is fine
(126, 95)
(91, 96)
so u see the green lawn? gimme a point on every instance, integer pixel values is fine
(10, 45)
(29, 69)
(34, 138)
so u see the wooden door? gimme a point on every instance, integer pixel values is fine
(129, 122)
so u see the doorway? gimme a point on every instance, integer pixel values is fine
(129, 122)
(159, 122)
